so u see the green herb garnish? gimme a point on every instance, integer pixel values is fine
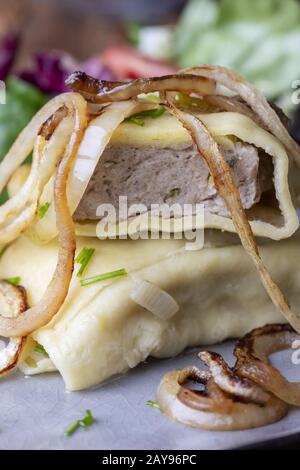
(15, 281)
(153, 113)
(43, 209)
(136, 120)
(41, 350)
(154, 404)
(84, 423)
(83, 259)
(103, 277)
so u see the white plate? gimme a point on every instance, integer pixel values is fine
(36, 411)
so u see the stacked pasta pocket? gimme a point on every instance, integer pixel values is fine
(96, 307)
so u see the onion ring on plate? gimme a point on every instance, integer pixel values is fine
(15, 303)
(252, 353)
(100, 91)
(253, 97)
(212, 409)
(94, 142)
(227, 189)
(228, 380)
(57, 290)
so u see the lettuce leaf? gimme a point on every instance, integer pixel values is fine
(259, 39)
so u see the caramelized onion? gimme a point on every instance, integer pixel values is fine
(24, 144)
(228, 380)
(100, 91)
(57, 290)
(212, 408)
(20, 211)
(252, 353)
(14, 304)
(253, 97)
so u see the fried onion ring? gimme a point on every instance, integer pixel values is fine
(100, 91)
(14, 304)
(252, 353)
(253, 97)
(227, 379)
(212, 408)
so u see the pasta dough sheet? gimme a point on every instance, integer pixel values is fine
(100, 331)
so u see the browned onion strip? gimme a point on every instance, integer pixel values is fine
(227, 189)
(100, 91)
(228, 380)
(48, 127)
(15, 303)
(23, 145)
(212, 409)
(19, 212)
(253, 97)
(233, 104)
(57, 290)
(252, 352)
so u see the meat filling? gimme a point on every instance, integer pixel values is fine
(149, 175)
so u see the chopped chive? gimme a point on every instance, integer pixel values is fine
(83, 259)
(72, 428)
(153, 113)
(154, 404)
(43, 209)
(84, 423)
(136, 120)
(41, 350)
(88, 420)
(15, 281)
(103, 277)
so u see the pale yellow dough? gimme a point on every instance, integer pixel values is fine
(100, 331)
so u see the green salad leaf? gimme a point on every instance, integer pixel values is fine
(259, 39)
